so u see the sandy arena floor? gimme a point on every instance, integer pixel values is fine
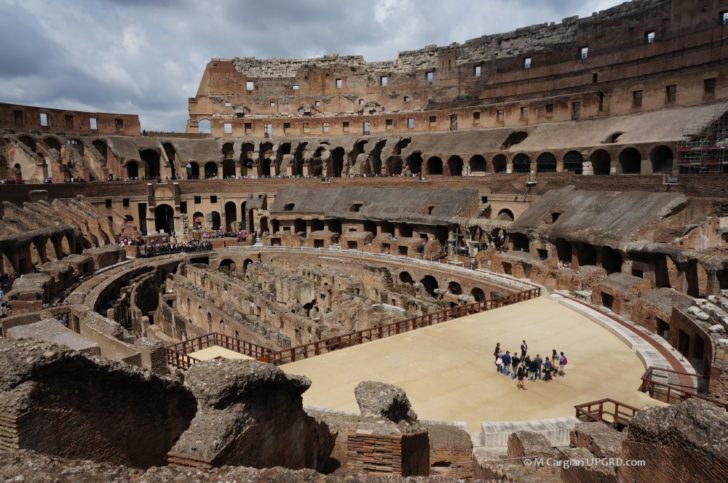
(449, 374)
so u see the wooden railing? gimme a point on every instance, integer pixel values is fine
(367, 335)
(663, 390)
(177, 354)
(607, 411)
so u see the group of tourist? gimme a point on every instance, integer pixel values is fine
(523, 366)
(155, 249)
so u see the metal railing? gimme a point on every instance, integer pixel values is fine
(177, 354)
(607, 411)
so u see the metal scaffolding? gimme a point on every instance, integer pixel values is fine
(703, 149)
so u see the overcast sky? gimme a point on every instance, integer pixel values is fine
(147, 56)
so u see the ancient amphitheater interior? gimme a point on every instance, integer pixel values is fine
(308, 284)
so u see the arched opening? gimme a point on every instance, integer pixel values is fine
(574, 162)
(430, 284)
(601, 162)
(215, 218)
(227, 150)
(227, 266)
(99, 145)
(164, 218)
(630, 161)
(478, 294)
(662, 160)
(264, 228)
(394, 166)
(454, 288)
(228, 168)
(299, 227)
(563, 251)
(132, 169)
(77, 146)
(204, 126)
(506, 214)
(247, 263)
(151, 163)
(210, 170)
(434, 166)
(193, 170)
(546, 163)
(520, 242)
(405, 277)
(54, 143)
(455, 166)
(611, 260)
(478, 165)
(585, 254)
(28, 141)
(265, 165)
(337, 162)
(500, 163)
(198, 221)
(50, 250)
(317, 225)
(231, 216)
(414, 163)
(521, 164)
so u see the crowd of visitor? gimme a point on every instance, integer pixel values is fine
(523, 366)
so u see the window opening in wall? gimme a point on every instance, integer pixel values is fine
(476, 117)
(724, 17)
(527, 63)
(670, 94)
(355, 207)
(306, 127)
(595, 77)
(453, 122)
(286, 127)
(365, 128)
(118, 124)
(430, 76)
(268, 130)
(637, 98)
(576, 110)
(583, 53)
(183, 207)
(388, 124)
(227, 128)
(248, 127)
(361, 102)
(125, 202)
(93, 123)
(325, 127)
(601, 102)
(69, 121)
(433, 121)
(339, 83)
(108, 202)
(384, 81)
(289, 206)
(524, 113)
(317, 104)
(249, 85)
(406, 98)
(650, 37)
(296, 87)
(345, 126)
(477, 70)
(43, 119)
(500, 115)
(198, 200)
(410, 123)
(709, 88)
(213, 199)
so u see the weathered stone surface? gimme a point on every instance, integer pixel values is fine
(381, 400)
(577, 467)
(683, 442)
(61, 402)
(600, 439)
(525, 444)
(251, 414)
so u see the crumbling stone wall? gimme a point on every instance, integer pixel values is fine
(56, 401)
